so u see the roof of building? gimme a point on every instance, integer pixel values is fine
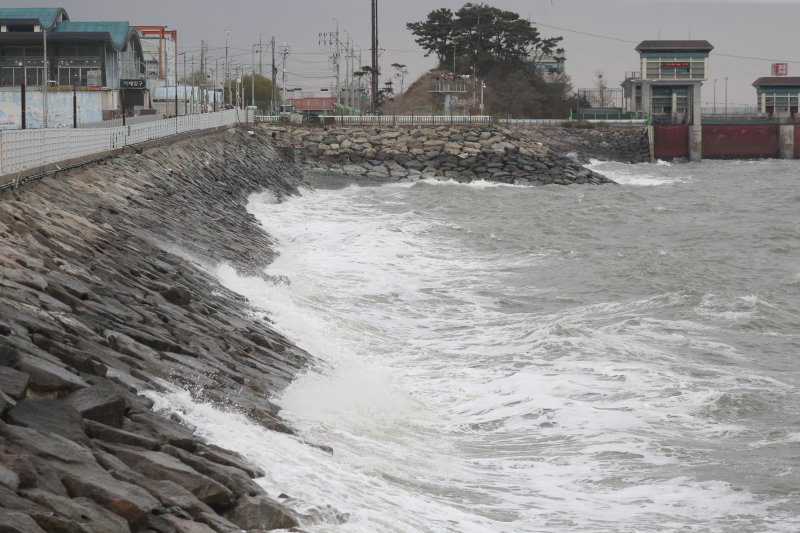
(684, 46)
(46, 17)
(118, 32)
(777, 81)
(317, 103)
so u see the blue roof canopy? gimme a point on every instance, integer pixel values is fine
(119, 32)
(46, 16)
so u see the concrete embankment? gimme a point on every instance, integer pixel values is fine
(540, 156)
(102, 296)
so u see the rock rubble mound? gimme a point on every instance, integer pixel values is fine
(105, 292)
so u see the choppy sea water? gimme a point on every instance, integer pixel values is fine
(512, 359)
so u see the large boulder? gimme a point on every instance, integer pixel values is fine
(49, 416)
(260, 512)
(100, 403)
(158, 465)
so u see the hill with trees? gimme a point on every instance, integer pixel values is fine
(481, 44)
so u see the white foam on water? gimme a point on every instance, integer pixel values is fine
(447, 412)
(642, 174)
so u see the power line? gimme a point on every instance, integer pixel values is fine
(750, 58)
(584, 33)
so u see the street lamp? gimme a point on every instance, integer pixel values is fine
(715, 96)
(726, 95)
(253, 78)
(44, 83)
(185, 100)
(226, 62)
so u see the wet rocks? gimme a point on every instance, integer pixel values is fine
(459, 153)
(105, 293)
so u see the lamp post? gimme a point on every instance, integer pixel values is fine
(483, 86)
(225, 87)
(216, 83)
(726, 95)
(715, 96)
(236, 104)
(23, 104)
(44, 82)
(185, 101)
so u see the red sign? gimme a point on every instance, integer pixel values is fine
(780, 69)
(674, 65)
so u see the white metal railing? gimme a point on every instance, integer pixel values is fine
(26, 149)
(562, 121)
(409, 120)
(268, 119)
(116, 122)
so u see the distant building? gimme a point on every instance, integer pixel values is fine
(317, 106)
(159, 48)
(669, 80)
(778, 95)
(102, 58)
(551, 67)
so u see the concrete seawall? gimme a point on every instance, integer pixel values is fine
(102, 295)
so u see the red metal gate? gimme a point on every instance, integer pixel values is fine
(741, 140)
(671, 141)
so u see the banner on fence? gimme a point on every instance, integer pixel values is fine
(59, 107)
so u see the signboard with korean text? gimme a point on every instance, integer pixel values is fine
(132, 84)
(780, 69)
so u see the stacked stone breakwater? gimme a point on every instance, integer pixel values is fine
(521, 157)
(102, 296)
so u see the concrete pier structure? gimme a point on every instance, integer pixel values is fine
(786, 141)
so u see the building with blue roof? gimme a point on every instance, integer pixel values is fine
(104, 57)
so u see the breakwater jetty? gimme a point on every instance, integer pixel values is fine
(522, 156)
(105, 292)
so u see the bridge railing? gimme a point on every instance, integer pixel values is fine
(22, 150)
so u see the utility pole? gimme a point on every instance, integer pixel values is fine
(274, 109)
(253, 76)
(193, 84)
(175, 60)
(203, 76)
(185, 101)
(260, 58)
(332, 39)
(285, 52)
(349, 60)
(374, 56)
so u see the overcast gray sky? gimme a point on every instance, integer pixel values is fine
(761, 29)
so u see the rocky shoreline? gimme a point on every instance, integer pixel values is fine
(103, 294)
(517, 156)
(107, 290)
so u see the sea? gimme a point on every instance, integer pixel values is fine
(498, 358)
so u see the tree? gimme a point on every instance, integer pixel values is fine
(435, 34)
(484, 35)
(400, 73)
(263, 90)
(385, 93)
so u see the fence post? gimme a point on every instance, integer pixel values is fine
(74, 107)
(23, 105)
